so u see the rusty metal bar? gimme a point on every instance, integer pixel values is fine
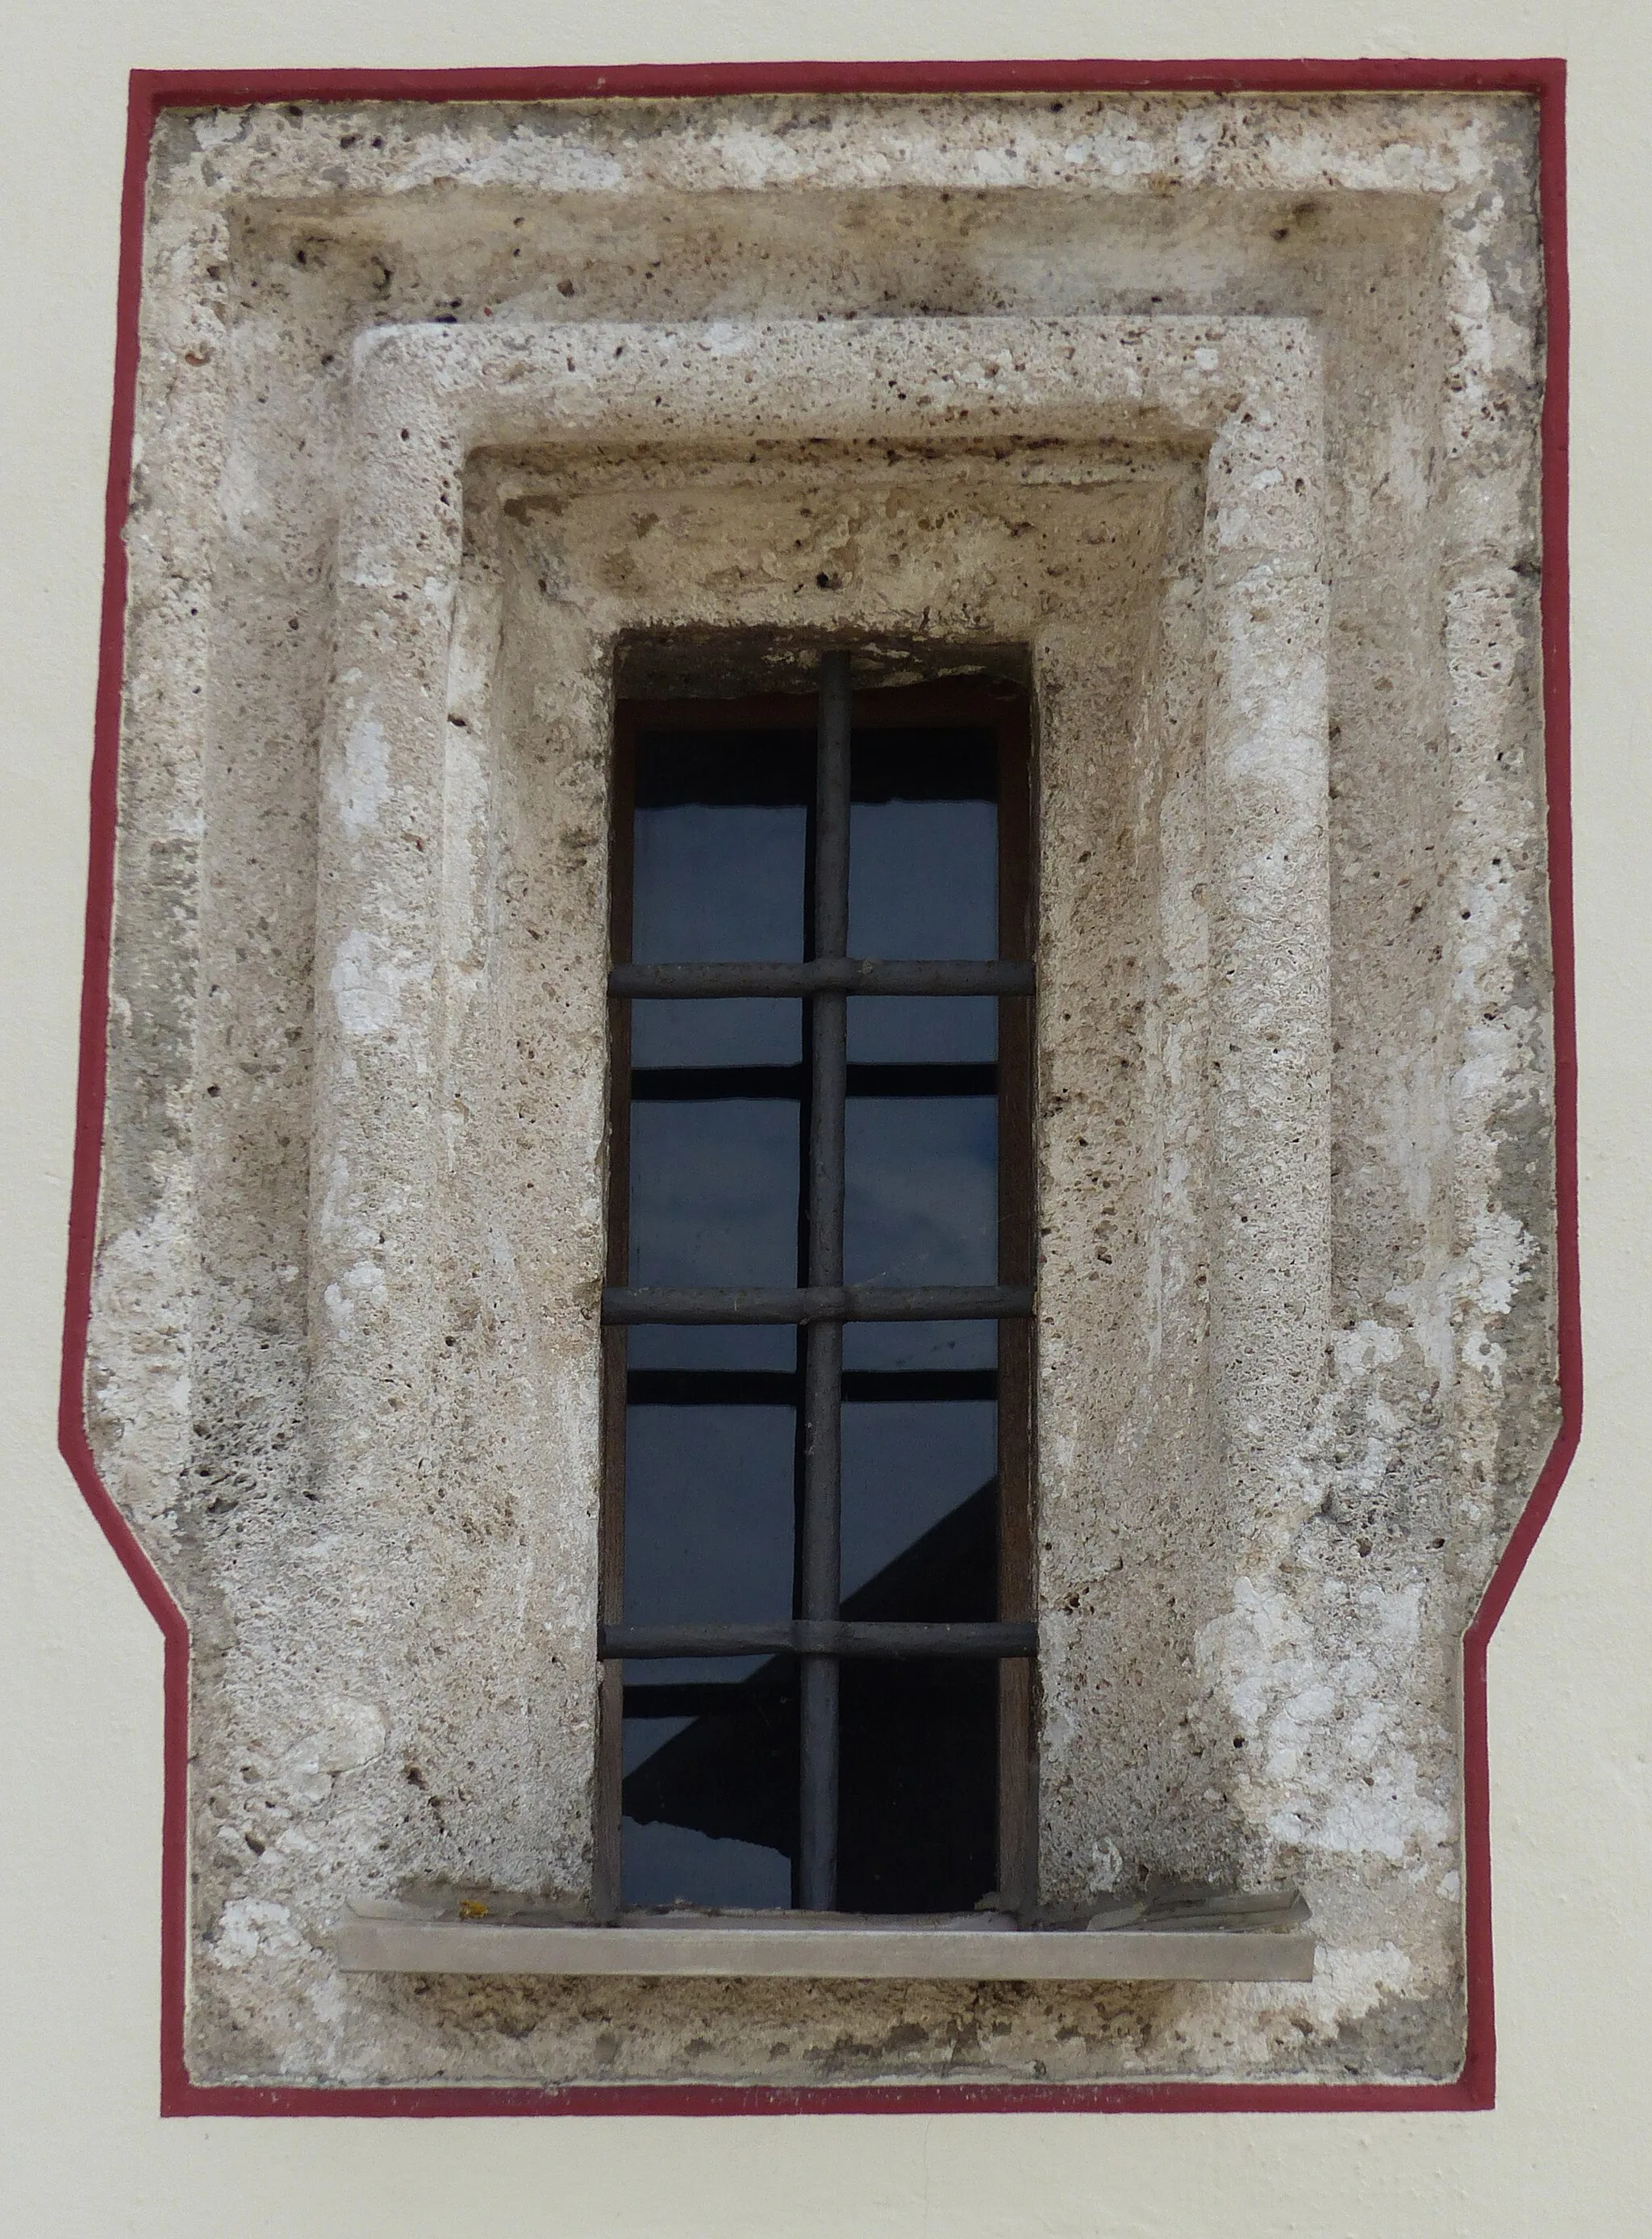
(782, 1388)
(785, 1084)
(848, 976)
(855, 1302)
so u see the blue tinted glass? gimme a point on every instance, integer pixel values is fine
(755, 1030)
(685, 1671)
(771, 1347)
(923, 879)
(714, 1193)
(905, 1469)
(720, 836)
(663, 1865)
(710, 1782)
(919, 1345)
(709, 1786)
(708, 1513)
(921, 1190)
(718, 884)
(922, 1029)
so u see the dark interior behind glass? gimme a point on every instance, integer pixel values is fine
(712, 1105)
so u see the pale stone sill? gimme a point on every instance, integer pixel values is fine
(1266, 1943)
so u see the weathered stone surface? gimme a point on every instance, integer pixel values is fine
(1295, 1291)
(403, 1939)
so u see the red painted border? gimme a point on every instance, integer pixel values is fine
(152, 90)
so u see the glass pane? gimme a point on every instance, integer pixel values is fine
(954, 1348)
(923, 879)
(714, 1191)
(918, 1786)
(920, 1510)
(769, 1347)
(921, 1190)
(721, 835)
(926, 762)
(709, 1788)
(708, 1509)
(753, 1030)
(922, 844)
(920, 1029)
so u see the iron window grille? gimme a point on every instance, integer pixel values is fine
(818, 1635)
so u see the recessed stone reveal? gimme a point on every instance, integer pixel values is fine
(1215, 423)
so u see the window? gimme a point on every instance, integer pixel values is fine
(817, 1585)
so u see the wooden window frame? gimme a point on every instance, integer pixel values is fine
(981, 702)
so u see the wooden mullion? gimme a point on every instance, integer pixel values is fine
(606, 1858)
(1018, 1780)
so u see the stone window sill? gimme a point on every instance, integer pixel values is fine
(1268, 1941)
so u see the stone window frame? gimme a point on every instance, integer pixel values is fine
(153, 92)
(1244, 394)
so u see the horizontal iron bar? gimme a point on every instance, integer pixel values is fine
(816, 1636)
(709, 1084)
(858, 1302)
(782, 1388)
(821, 975)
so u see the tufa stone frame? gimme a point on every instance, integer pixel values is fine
(1296, 1314)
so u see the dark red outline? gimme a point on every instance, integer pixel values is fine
(152, 90)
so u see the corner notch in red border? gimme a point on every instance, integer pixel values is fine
(153, 91)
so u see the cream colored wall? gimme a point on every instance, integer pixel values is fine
(82, 2151)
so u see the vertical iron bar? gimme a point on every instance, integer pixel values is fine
(823, 1357)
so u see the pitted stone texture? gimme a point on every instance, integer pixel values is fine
(1041, 550)
(1250, 1619)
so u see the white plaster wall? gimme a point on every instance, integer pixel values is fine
(1570, 1686)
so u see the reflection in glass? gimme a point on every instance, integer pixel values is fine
(922, 879)
(924, 1347)
(921, 1190)
(708, 1512)
(922, 844)
(757, 1346)
(921, 1029)
(721, 833)
(743, 1031)
(905, 1468)
(709, 1782)
(714, 1193)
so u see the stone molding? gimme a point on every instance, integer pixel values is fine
(1243, 393)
